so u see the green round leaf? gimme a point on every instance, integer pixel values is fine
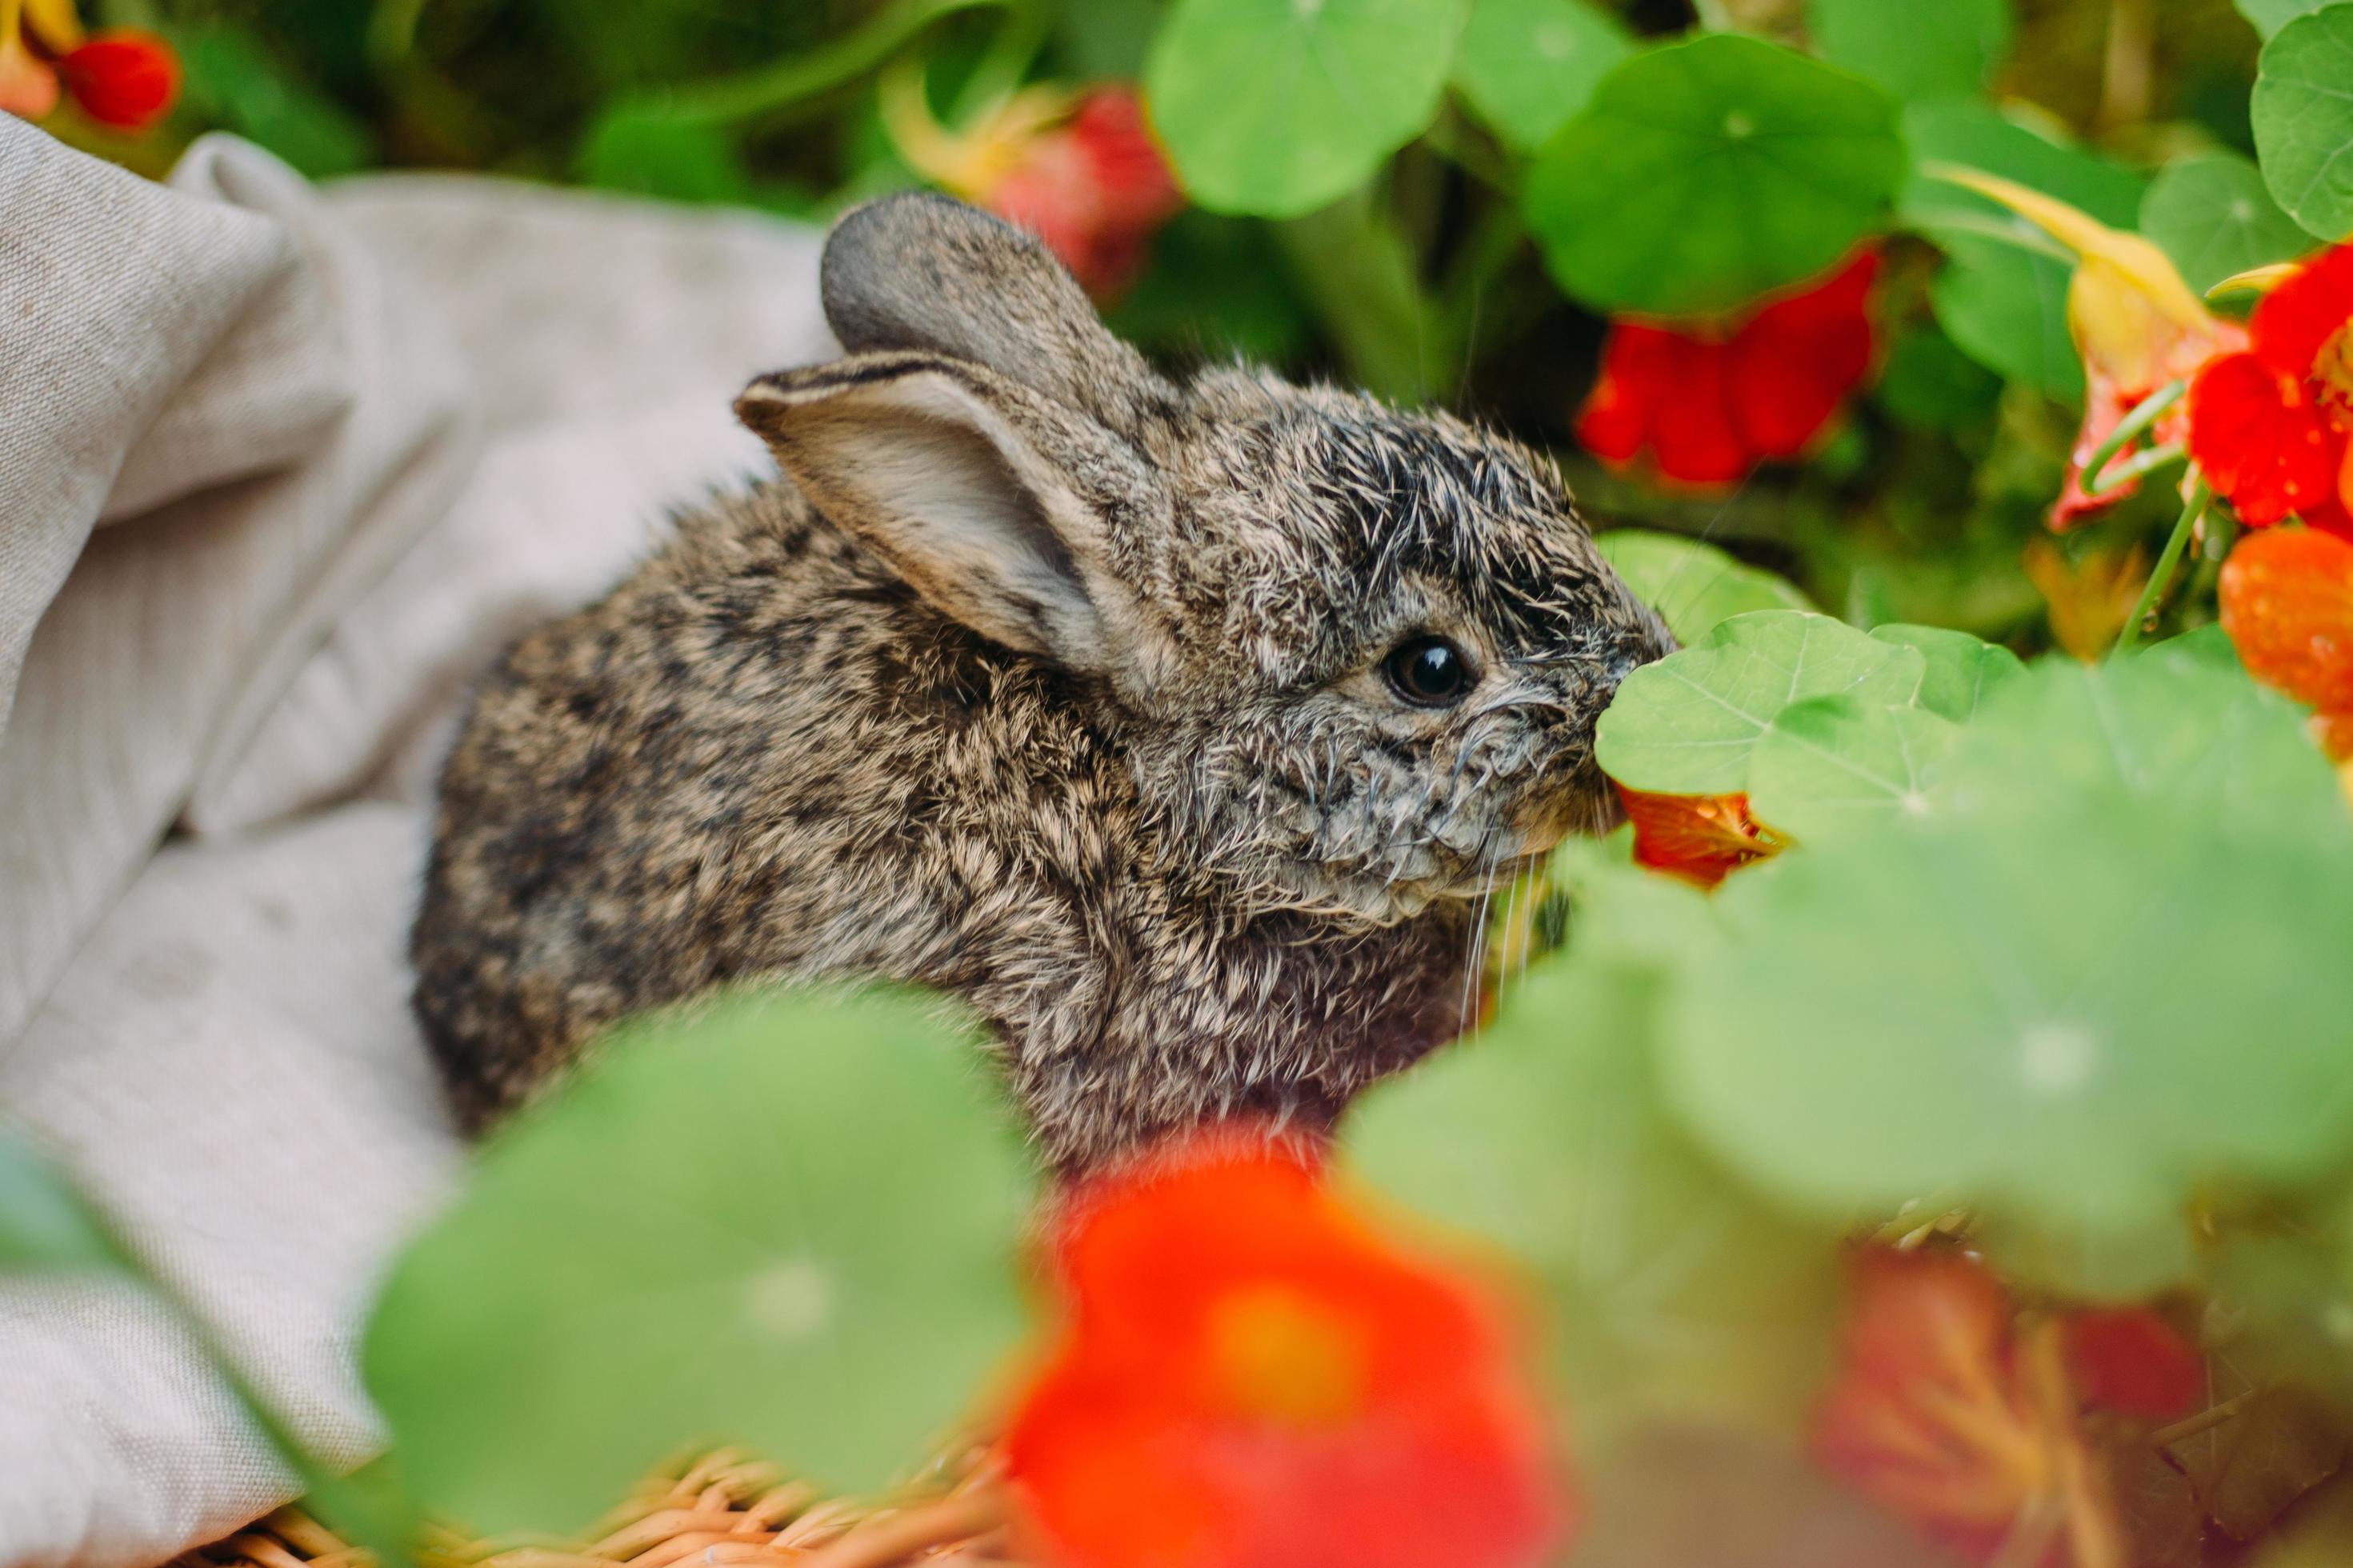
(1686, 724)
(2303, 116)
(2268, 16)
(1527, 65)
(1277, 107)
(1706, 173)
(1962, 670)
(1693, 584)
(2214, 217)
(1929, 384)
(44, 1224)
(2002, 294)
(784, 1222)
(2107, 971)
(1946, 49)
(1826, 766)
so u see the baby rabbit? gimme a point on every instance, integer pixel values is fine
(1178, 726)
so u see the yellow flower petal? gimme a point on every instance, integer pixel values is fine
(2254, 280)
(2127, 259)
(54, 23)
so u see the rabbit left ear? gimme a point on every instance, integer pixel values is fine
(993, 503)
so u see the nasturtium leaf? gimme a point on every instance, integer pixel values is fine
(238, 79)
(2213, 216)
(2268, 16)
(631, 147)
(44, 1224)
(2130, 1263)
(1929, 384)
(1706, 173)
(2001, 296)
(1943, 50)
(1277, 107)
(1828, 765)
(788, 1222)
(1686, 724)
(1527, 65)
(1961, 668)
(1693, 585)
(1668, 1288)
(2097, 976)
(2302, 117)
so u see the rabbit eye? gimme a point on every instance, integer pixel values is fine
(1430, 672)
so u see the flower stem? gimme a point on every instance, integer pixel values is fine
(2169, 559)
(785, 83)
(2143, 413)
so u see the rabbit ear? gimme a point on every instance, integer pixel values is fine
(992, 503)
(919, 271)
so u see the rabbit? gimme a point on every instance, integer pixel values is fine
(1178, 726)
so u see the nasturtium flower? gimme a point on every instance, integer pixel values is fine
(2287, 607)
(1709, 401)
(1252, 1377)
(121, 78)
(1079, 169)
(1703, 838)
(2272, 425)
(2136, 323)
(1956, 1411)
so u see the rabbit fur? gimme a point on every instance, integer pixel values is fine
(1049, 681)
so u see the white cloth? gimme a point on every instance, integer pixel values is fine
(278, 469)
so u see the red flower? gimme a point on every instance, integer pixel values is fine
(1950, 1412)
(1703, 838)
(1082, 171)
(2273, 427)
(1253, 1378)
(1710, 402)
(122, 77)
(2287, 606)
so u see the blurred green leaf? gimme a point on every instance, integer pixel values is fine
(1687, 724)
(788, 1222)
(1527, 66)
(643, 151)
(1704, 173)
(2268, 16)
(1943, 50)
(1826, 766)
(2214, 217)
(1667, 1288)
(235, 79)
(1929, 384)
(2002, 294)
(1217, 285)
(2303, 114)
(1277, 108)
(1961, 669)
(1693, 584)
(2097, 978)
(44, 1224)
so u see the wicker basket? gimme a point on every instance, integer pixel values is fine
(724, 1507)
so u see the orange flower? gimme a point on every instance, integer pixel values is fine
(1703, 838)
(2137, 325)
(2273, 427)
(1710, 402)
(1251, 1377)
(1078, 169)
(1948, 1411)
(2287, 607)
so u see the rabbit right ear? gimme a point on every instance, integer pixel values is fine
(919, 271)
(997, 505)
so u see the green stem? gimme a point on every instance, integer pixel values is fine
(785, 83)
(2143, 415)
(2166, 562)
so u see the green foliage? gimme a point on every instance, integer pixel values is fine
(789, 1223)
(1962, 670)
(2303, 115)
(1942, 50)
(1688, 723)
(1827, 766)
(1276, 108)
(2268, 16)
(2003, 295)
(656, 154)
(44, 1224)
(1929, 384)
(235, 77)
(1695, 587)
(2214, 217)
(1527, 66)
(1705, 173)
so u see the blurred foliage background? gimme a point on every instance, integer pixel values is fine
(1923, 503)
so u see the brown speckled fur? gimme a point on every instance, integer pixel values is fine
(1123, 773)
